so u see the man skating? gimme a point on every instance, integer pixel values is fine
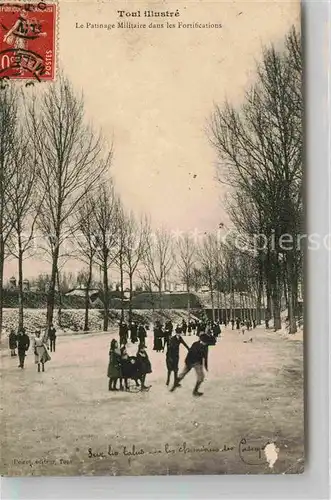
(197, 356)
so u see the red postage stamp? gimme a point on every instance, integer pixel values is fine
(28, 40)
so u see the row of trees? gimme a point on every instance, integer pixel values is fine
(58, 202)
(56, 188)
(260, 151)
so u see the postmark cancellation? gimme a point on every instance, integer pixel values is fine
(28, 34)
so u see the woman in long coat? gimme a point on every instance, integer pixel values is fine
(158, 335)
(142, 334)
(114, 365)
(41, 355)
(12, 343)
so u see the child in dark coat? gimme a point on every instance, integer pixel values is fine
(143, 365)
(114, 365)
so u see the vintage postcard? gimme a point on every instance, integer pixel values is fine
(151, 238)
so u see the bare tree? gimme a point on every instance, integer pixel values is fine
(136, 237)
(24, 203)
(208, 255)
(69, 162)
(186, 258)
(158, 259)
(107, 218)
(87, 228)
(260, 151)
(122, 234)
(8, 141)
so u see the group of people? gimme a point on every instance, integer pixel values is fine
(163, 334)
(137, 333)
(122, 367)
(40, 344)
(244, 325)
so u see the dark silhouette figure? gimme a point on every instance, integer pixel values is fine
(23, 344)
(52, 338)
(172, 356)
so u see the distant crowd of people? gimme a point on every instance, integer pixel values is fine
(122, 367)
(39, 342)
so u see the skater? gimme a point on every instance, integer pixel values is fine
(158, 334)
(178, 329)
(167, 333)
(232, 324)
(123, 334)
(169, 327)
(172, 356)
(134, 333)
(197, 356)
(12, 343)
(254, 323)
(143, 366)
(41, 355)
(237, 323)
(142, 334)
(52, 337)
(114, 365)
(23, 344)
(184, 327)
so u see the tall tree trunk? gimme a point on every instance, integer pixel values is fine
(87, 297)
(59, 312)
(286, 289)
(218, 305)
(276, 308)
(105, 297)
(259, 297)
(232, 304)
(276, 292)
(122, 287)
(226, 317)
(291, 293)
(241, 307)
(130, 296)
(160, 296)
(20, 285)
(188, 304)
(268, 272)
(51, 290)
(212, 297)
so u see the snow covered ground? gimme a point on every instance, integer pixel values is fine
(65, 422)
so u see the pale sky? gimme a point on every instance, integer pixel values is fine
(151, 91)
